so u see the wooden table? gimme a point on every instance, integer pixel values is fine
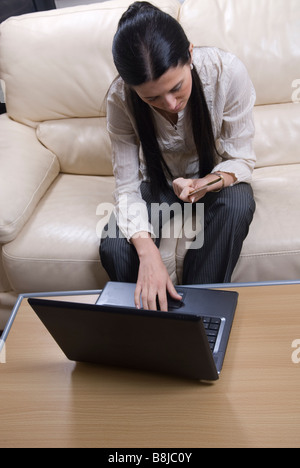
(47, 401)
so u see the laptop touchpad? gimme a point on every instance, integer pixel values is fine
(174, 303)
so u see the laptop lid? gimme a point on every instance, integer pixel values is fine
(206, 303)
(167, 342)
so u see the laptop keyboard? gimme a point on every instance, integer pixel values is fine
(212, 327)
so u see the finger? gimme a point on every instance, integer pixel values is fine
(176, 187)
(152, 304)
(184, 195)
(197, 197)
(180, 185)
(145, 300)
(137, 296)
(149, 299)
(172, 291)
(162, 299)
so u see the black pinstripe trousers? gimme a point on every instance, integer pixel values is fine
(227, 217)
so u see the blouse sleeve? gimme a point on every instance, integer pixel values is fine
(237, 132)
(130, 209)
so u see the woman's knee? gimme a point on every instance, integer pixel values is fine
(238, 203)
(119, 259)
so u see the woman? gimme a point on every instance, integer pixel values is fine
(190, 112)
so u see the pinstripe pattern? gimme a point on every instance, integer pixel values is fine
(227, 216)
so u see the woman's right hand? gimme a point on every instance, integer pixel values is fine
(153, 279)
(183, 187)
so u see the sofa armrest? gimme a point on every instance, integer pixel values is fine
(27, 169)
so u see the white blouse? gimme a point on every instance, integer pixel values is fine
(230, 97)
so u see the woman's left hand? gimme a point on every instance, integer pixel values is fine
(184, 187)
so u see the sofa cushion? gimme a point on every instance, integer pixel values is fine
(4, 283)
(262, 34)
(58, 247)
(62, 63)
(277, 130)
(271, 250)
(81, 145)
(27, 170)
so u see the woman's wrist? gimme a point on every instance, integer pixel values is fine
(222, 181)
(143, 244)
(226, 179)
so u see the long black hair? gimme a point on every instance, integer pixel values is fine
(147, 43)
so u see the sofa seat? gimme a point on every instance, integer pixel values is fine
(58, 247)
(271, 251)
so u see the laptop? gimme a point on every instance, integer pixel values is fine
(189, 340)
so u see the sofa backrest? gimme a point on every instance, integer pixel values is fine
(265, 35)
(58, 64)
(57, 67)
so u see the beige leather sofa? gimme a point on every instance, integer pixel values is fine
(55, 164)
